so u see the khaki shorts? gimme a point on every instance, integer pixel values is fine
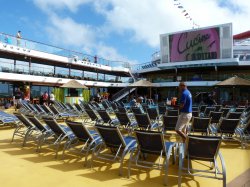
(183, 120)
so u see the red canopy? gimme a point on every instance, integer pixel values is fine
(242, 35)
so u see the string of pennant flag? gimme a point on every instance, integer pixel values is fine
(185, 13)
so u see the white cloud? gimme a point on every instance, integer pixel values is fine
(149, 18)
(48, 5)
(146, 20)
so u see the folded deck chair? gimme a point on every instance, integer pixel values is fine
(114, 146)
(60, 133)
(151, 143)
(88, 138)
(206, 149)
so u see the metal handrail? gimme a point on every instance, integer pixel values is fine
(40, 46)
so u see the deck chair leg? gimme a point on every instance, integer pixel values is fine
(166, 174)
(121, 162)
(180, 169)
(87, 154)
(129, 163)
(26, 137)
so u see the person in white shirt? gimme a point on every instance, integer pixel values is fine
(18, 36)
(51, 98)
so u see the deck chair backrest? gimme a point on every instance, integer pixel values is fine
(136, 110)
(87, 106)
(150, 142)
(143, 120)
(91, 114)
(145, 107)
(54, 126)
(229, 125)
(114, 106)
(203, 108)
(95, 104)
(217, 108)
(195, 108)
(121, 109)
(70, 106)
(152, 113)
(32, 107)
(39, 109)
(200, 124)
(36, 123)
(111, 136)
(234, 115)
(172, 113)
(162, 109)
(123, 118)
(239, 110)
(80, 130)
(54, 109)
(208, 110)
(104, 115)
(24, 120)
(169, 122)
(225, 111)
(215, 116)
(105, 105)
(202, 148)
(46, 109)
(78, 107)
(195, 113)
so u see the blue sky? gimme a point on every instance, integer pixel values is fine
(126, 30)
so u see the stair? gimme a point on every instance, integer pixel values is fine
(122, 93)
(125, 91)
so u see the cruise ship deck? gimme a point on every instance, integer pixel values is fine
(22, 166)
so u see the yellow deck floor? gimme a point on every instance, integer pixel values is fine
(22, 167)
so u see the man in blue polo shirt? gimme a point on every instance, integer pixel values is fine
(185, 111)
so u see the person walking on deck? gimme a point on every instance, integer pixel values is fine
(185, 111)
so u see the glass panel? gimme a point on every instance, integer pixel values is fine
(90, 75)
(62, 72)
(41, 69)
(6, 65)
(22, 67)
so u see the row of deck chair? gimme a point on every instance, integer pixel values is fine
(45, 111)
(109, 144)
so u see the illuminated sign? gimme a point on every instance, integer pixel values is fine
(195, 45)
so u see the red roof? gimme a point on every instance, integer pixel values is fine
(242, 35)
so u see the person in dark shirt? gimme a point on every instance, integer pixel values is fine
(18, 97)
(185, 111)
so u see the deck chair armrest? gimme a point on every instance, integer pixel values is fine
(223, 165)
